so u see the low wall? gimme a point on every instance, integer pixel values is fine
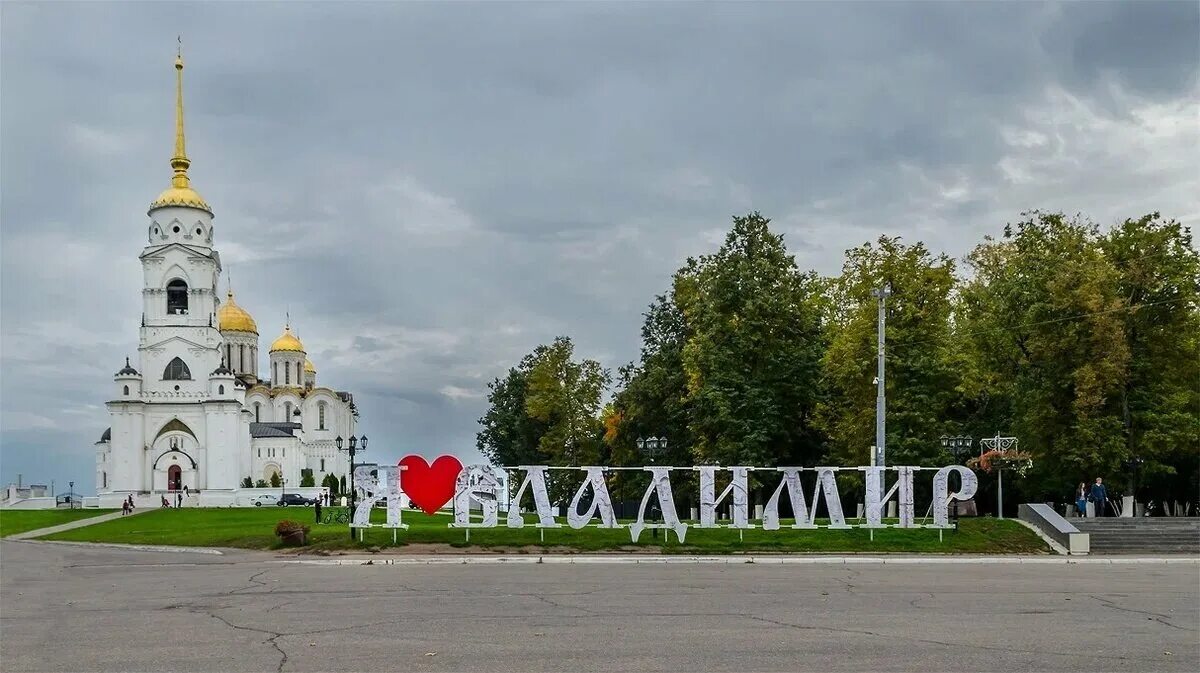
(31, 503)
(237, 497)
(1045, 519)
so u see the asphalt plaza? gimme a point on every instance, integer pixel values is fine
(70, 608)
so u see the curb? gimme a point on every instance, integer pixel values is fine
(743, 560)
(127, 547)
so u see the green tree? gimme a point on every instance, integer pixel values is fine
(330, 482)
(306, 478)
(247, 483)
(753, 351)
(921, 381)
(1158, 273)
(510, 436)
(566, 395)
(261, 483)
(1045, 349)
(275, 481)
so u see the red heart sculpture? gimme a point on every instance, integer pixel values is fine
(429, 486)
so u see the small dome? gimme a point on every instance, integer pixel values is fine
(234, 318)
(185, 197)
(287, 342)
(308, 367)
(107, 435)
(128, 370)
(222, 370)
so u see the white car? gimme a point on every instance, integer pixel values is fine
(265, 499)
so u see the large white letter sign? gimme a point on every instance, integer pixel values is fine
(368, 486)
(660, 483)
(791, 481)
(535, 478)
(806, 518)
(601, 502)
(709, 501)
(475, 482)
(875, 503)
(941, 497)
(391, 475)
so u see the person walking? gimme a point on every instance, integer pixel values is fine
(317, 510)
(1098, 496)
(124, 507)
(1081, 496)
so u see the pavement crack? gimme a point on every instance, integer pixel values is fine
(253, 580)
(1156, 616)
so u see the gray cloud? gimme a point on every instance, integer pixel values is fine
(432, 190)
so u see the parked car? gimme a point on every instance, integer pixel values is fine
(295, 499)
(265, 499)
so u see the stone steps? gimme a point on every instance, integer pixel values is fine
(1149, 534)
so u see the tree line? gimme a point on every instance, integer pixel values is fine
(1082, 341)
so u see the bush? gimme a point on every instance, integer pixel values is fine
(275, 480)
(247, 483)
(260, 484)
(306, 478)
(289, 527)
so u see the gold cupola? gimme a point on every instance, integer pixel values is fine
(287, 342)
(308, 367)
(231, 317)
(180, 193)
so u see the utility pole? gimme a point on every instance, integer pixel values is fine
(881, 294)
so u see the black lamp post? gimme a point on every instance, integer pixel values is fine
(653, 448)
(351, 448)
(960, 447)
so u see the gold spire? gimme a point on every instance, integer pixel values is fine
(180, 193)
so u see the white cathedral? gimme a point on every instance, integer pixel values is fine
(194, 412)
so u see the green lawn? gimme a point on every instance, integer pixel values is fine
(13, 521)
(254, 529)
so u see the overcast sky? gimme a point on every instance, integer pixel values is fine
(433, 190)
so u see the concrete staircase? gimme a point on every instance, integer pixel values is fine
(1145, 535)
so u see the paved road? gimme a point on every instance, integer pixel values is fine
(68, 608)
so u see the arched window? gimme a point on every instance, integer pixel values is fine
(257, 412)
(287, 412)
(126, 390)
(275, 378)
(287, 374)
(242, 359)
(220, 390)
(177, 371)
(299, 376)
(103, 480)
(321, 416)
(177, 297)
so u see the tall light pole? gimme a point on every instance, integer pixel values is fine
(880, 293)
(352, 448)
(1001, 444)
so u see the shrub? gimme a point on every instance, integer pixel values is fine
(306, 478)
(260, 484)
(289, 527)
(247, 483)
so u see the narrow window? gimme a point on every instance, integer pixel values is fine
(103, 480)
(260, 453)
(220, 390)
(322, 464)
(177, 371)
(321, 417)
(126, 390)
(257, 412)
(299, 376)
(177, 297)
(275, 379)
(287, 374)
(287, 412)
(242, 359)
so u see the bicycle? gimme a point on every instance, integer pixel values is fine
(338, 515)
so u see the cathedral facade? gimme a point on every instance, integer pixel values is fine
(194, 410)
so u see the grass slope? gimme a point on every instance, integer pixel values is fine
(13, 521)
(254, 529)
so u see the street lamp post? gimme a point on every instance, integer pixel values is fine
(653, 448)
(352, 447)
(1001, 444)
(960, 447)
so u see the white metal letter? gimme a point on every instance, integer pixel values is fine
(709, 501)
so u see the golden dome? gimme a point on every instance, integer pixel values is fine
(308, 367)
(287, 342)
(180, 197)
(234, 318)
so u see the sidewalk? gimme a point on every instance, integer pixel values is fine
(79, 523)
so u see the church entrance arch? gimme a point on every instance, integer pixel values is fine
(174, 478)
(271, 469)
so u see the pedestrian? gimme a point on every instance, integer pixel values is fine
(1081, 496)
(1098, 496)
(131, 502)
(317, 512)
(124, 507)
(178, 499)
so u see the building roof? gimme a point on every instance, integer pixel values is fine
(273, 429)
(128, 370)
(287, 342)
(107, 435)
